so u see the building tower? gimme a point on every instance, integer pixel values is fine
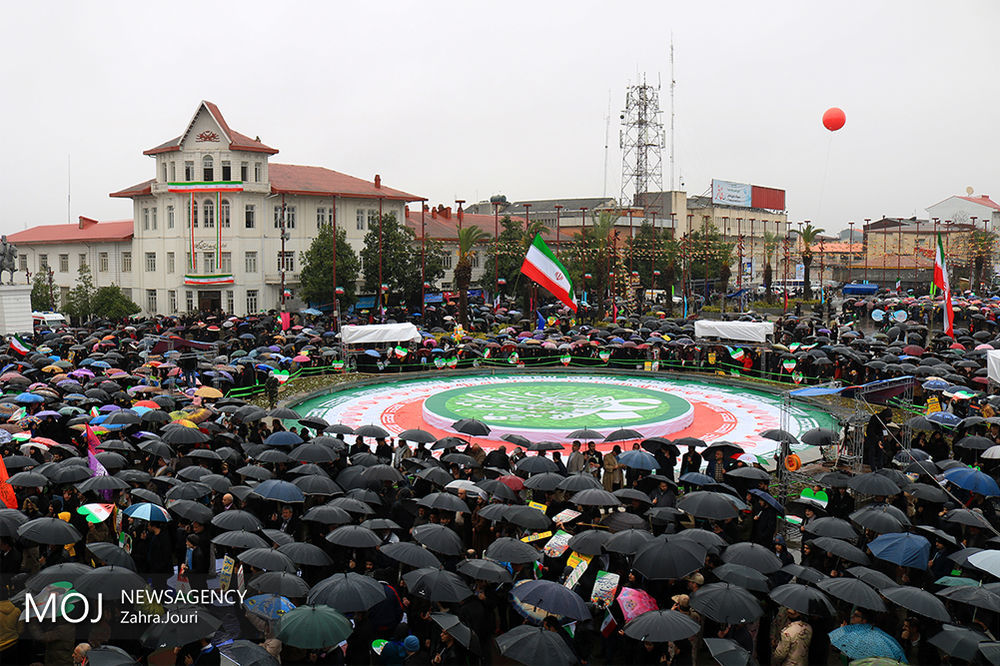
(641, 140)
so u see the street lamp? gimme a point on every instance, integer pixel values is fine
(864, 245)
(558, 208)
(496, 248)
(850, 250)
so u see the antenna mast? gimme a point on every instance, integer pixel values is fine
(673, 84)
(641, 141)
(607, 133)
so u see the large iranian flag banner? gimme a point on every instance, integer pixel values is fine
(941, 282)
(545, 268)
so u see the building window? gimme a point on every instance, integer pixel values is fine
(189, 301)
(170, 262)
(227, 170)
(189, 171)
(172, 301)
(164, 169)
(230, 301)
(145, 219)
(43, 262)
(289, 217)
(224, 213)
(251, 300)
(207, 170)
(372, 219)
(151, 301)
(173, 171)
(474, 261)
(286, 262)
(150, 262)
(447, 261)
(102, 262)
(244, 169)
(248, 213)
(208, 259)
(22, 262)
(191, 262)
(209, 209)
(152, 219)
(192, 212)
(321, 218)
(257, 172)
(250, 262)
(360, 223)
(64, 263)
(81, 260)
(63, 294)
(226, 262)
(170, 217)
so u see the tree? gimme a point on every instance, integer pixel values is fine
(79, 301)
(771, 241)
(982, 245)
(468, 237)
(807, 235)
(504, 257)
(645, 252)
(591, 255)
(709, 256)
(41, 295)
(317, 268)
(112, 303)
(400, 261)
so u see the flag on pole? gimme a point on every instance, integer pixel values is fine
(539, 322)
(7, 496)
(18, 346)
(899, 286)
(614, 311)
(941, 282)
(544, 268)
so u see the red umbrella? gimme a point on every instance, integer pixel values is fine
(513, 482)
(957, 345)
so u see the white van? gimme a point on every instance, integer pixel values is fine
(51, 320)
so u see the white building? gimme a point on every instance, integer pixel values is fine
(207, 227)
(971, 209)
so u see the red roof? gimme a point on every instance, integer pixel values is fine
(237, 141)
(317, 181)
(442, 223)
(835, 247)
(983, 200)
(86, 230)
(143, 188)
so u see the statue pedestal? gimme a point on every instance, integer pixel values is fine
(15, 309)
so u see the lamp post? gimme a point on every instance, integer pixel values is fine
(496, 248)
(336, 291)
(850, 250)
(282, 261)
(558, 208)
(739, 245)
(864, 245)
(423, 260)
(379, 295)
(899, 257)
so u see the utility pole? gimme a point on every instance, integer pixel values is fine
(282, 260)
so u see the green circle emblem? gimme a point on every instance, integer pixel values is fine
(558, 405)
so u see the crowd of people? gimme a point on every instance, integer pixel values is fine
(132, 467)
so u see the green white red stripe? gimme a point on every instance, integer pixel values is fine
(203, 186)
(542, 266)
(18, 346)
(941, 282)
(197, 280)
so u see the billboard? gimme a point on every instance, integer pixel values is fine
(727, 193)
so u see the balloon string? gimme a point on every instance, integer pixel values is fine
(822, 185)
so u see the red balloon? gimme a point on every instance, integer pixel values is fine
(834, 119)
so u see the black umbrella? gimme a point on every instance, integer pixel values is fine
(437, 585)
(305, 554)
(442, 540)
(109, 581)
(449, 443)
(109, 655)
(326, 514)
(416, 435)
(536, 465)
(710, 540)
(779, 435)
(486, 570)
(444, 502)
(919, 601)
(585, 434)
(279, 582)
(551, 597)
(622, 435)
(959, 642)
(267, 559)
(506, 549)
(460, 632)
(410, 554)
(752, 555)
(577, 482)
(589, 542)
(239, 539)
(707, 504)
(807, 574)
(661, 626)
(728, 652)
(545, 481)
(198, 623)
(726, 603)
(880, 518)
(236, 519)
(534, 645)
(873, 484)
(973, 595)
(57, 573)
(744, 576)
(52, 531)
(751, 473)
(248, 653)
(804, 599)
(595, 497)
(379, 473)
(524, 516)
(837, 528)
(111, 554)
(663, 559)
(820, 437)
(966, 517)
(347, 592)
(354, 536)
(854, 591)
(628, 542)
(471, 427)
(191, 510)
(841, 549)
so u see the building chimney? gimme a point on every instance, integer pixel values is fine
(985, 196)
(378, 181)
(434, 213)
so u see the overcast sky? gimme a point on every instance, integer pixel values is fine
(464, 99)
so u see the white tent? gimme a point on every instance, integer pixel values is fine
(748, 331)
(379, 333)
(993, 365)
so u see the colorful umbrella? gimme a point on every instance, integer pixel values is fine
(635, 602)
(860, 641)
(148, 511)
(268, 606)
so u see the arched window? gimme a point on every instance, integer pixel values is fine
(224, 213)
(192, 214)
(208, 213)
(207, 173)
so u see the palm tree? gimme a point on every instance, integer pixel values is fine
(982, 245)
(468, 237)
(771, 241)
(807, 235)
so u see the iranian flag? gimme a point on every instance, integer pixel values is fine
(544, 268)
(941, 282)
(18, 346)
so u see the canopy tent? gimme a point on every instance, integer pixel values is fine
(734, 330)
(993, 365)
(379, 333)
(860, 289)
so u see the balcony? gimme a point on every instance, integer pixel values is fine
(275, 278)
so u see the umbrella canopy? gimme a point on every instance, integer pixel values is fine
(246, 653)
(752, 555)
(973, 480)
(506, 549)
(744, 576)
(959, 642)
(873, 484)
(460, 632)
(267, 559)
(628, 542)
(347, 592)
(551, 597)
(198, 623)
(534, 645)
(919, 601)
(486, 570)
(279, 582)
(110, 581)
(726, 603)
(237, 519)
(854, 592)
(437, 585)
(661, 626)
(837, 528)
(708, 505)
(663, 559)
(589, 542)
(841, 549)
(444, 541)
(51, 531)
(354, 536)
(410, 554)
(280, 491)
(305, 554)
(902, 548)
(862, 641)
(313, 627)
(804, 599)
(111, 554)
(727, 652)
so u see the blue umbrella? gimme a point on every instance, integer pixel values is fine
(944, 418)
(268, 606)
(902, 548)
(775, 504)
(28, 398)
(861, 641)
(638, 460)
(281, 491)
(283, 438)
(696, 479)
(973, 480)
(148, 511)
(935, 385)
(373, 353)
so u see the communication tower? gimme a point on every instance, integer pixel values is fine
(641, 140)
